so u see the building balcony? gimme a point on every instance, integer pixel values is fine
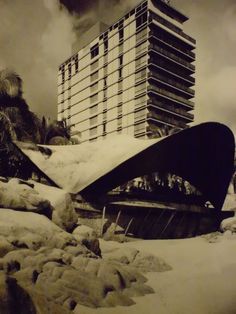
(171, 71)
(170, 25)
(172, 45)
(153, 117)
(168, 95)
(172, 84)
(171, 109)
(163, 52)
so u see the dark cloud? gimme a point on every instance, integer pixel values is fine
(89, 12)
(79, 6)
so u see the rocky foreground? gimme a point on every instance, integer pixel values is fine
(49, 264)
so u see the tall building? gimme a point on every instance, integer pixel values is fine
(133, 78)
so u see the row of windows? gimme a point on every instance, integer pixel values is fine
(138, 115)
(120, 22)
(93, 110)
(140, 21)
(94, 51)
(93, 130)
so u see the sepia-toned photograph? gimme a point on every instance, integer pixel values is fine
(117, 157)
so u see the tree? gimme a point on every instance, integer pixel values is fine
(162, 131)
(59, 130)
(25, 123)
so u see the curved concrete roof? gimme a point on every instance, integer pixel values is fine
(203, 155)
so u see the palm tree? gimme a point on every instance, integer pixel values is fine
(163, 131)
(56, 133)
(25, 123)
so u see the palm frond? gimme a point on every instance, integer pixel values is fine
(10, 83)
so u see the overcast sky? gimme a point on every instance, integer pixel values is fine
(36, 36)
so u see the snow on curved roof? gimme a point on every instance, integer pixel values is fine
(74, 167)
(202, 155)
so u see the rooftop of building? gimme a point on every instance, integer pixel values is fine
(100, 27)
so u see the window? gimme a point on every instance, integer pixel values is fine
(140, 75)
(105, 42)
(105, 59)
(140, 88)
(63, 75)
(104, 116)
(93, 98)
(119, 98)
(105, 70)
(69, 92)
(76, 64)
(94, 51)
(119, 110)
(69, 70)
(121, 34)
(141, 19)
(141, 48)
(121, 60)
(120, 86)
(119, 122)
(94, 76)
(104, 127)
(141, 35)
(139, 128)
(141, 62)
(120, 73)
(140, 102)
(139, 115)
(93, 120)
(94, 65)
(104, 105)
(94, 87)
(105, 82)
(121, 48)
(93, 109)
(93, 131)
(105, 93)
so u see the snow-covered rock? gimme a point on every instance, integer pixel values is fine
(142, 261)
(57, 271)
(17, 194)
(31, 230)
(35, 197)
(88, 237)
(84, 232)
(13, 298)
(228, 224)
(63, 211)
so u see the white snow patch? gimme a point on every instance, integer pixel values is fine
(201, 280)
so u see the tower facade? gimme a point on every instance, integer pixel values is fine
(136, 77)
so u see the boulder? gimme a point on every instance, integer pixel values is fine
(228, 224)
(52, 272)
(19, 195)
(13, 298)
(63, 211)
(88, 237)
(31, 230)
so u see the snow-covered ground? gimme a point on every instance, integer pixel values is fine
(202, 280)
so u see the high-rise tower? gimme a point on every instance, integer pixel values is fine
(135, 77)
